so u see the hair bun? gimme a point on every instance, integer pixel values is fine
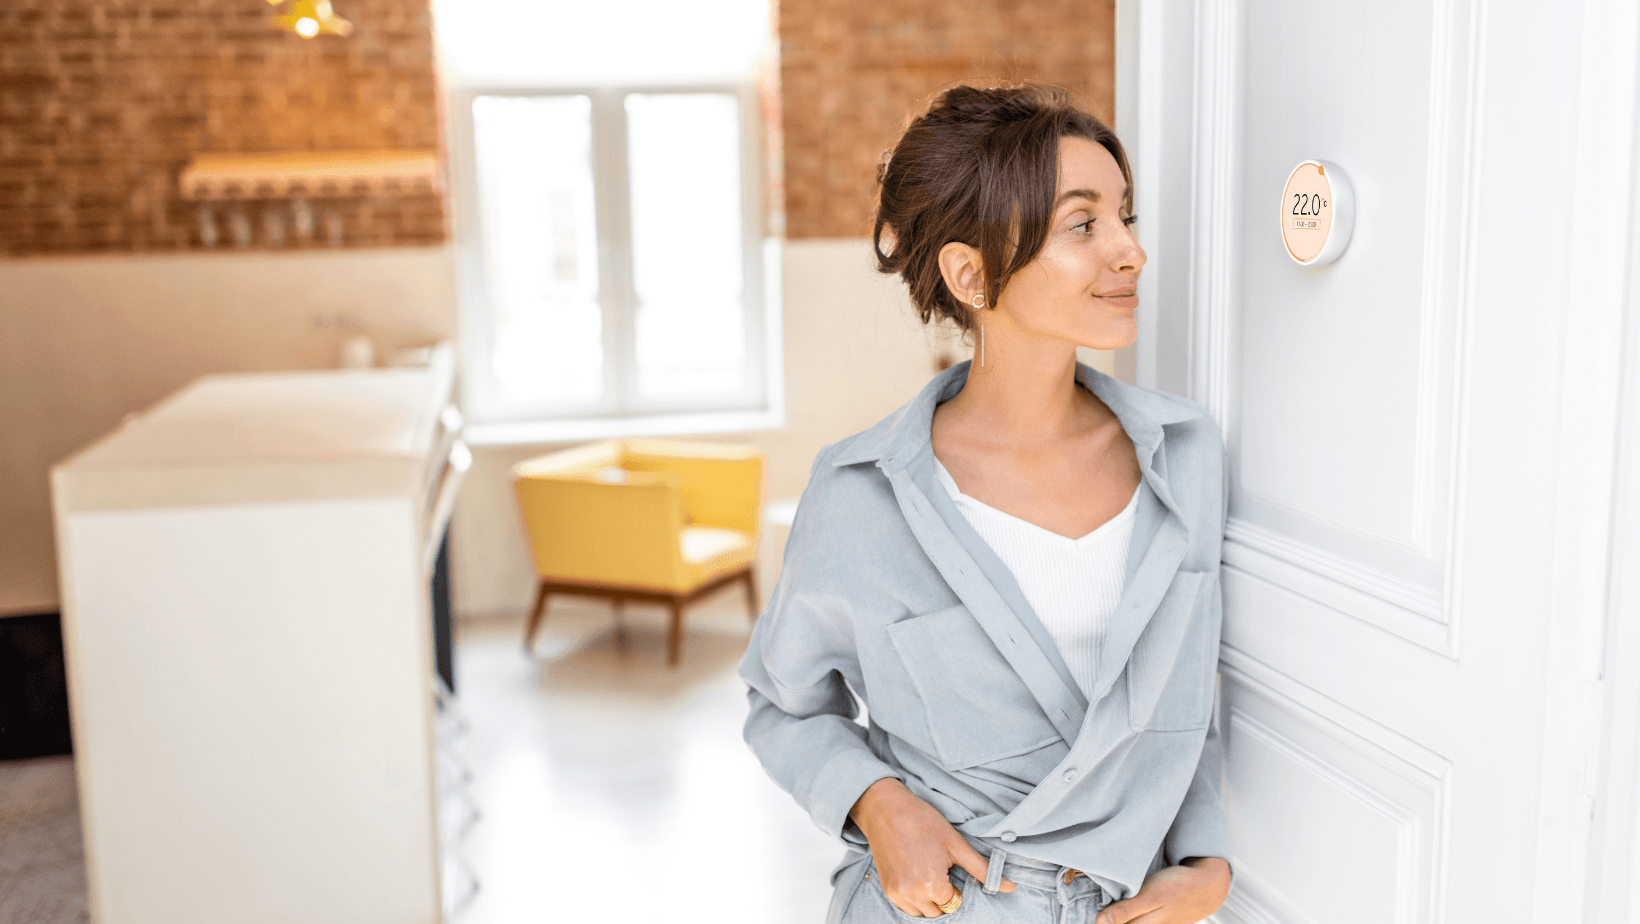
(1004, 103)
(979, 167)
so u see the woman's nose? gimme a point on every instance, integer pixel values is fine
(1130, 258)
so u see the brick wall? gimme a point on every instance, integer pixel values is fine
(853, 74)
(103, 101)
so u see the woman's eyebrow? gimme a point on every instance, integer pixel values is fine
(1092, 195)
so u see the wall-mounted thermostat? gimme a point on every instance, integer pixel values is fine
(1317, 212)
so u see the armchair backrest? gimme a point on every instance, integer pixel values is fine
(586, 522)
(583, 528)
(722, 482)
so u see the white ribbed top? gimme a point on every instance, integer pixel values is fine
(1073, 584)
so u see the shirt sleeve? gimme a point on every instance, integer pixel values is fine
(1200, 828)
(801, 723)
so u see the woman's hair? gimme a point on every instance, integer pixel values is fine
(981, 166)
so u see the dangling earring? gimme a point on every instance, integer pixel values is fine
(979, 302)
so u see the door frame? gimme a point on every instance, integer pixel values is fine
(1178, 113)
(1612, 875)
(1613, 872)
(1591, 769)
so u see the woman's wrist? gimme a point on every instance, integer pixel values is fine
(1216, 867)
(869, 806)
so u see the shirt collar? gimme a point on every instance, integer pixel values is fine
(896, 439)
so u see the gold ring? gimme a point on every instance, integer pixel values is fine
(952, 905)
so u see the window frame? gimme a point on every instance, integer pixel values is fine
(756, 406)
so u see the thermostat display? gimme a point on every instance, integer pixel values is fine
(1317, 212)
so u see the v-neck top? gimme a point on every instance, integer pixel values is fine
(1073, 585)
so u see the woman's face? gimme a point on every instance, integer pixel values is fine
(1081, 286)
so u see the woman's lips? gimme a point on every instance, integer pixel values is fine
(1124, 301)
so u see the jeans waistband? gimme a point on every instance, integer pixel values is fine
(1039, 874)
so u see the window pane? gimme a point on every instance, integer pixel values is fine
(577, 42)
(687, 257)
(534, 157)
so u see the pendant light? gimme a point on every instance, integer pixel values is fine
(309, 18)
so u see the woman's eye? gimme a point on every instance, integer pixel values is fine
(1130, 219)
(1087, 226)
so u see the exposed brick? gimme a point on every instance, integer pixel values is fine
(102, 102)
(853, 74)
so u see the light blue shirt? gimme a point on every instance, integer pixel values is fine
(888, 596)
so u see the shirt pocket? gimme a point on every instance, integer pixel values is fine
(1170, 672)
(978, 709)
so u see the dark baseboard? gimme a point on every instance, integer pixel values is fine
(34, 719)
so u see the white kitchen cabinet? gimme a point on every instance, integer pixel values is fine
(245, 577)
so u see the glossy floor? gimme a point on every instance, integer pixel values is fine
(611, 787)
(614, 788)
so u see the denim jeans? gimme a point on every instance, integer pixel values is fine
(1046, 894)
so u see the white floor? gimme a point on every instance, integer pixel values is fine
(616, 789)
(612, 788)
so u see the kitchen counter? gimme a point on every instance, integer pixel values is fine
(247, 620)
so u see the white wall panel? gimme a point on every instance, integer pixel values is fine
(1335, 817)
(1312, 335)
(1419, 434)
(1337, 384)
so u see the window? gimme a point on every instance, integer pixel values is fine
(611, 256)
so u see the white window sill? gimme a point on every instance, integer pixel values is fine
(528, 432)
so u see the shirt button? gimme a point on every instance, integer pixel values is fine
(1009, 836)
(1070, 775)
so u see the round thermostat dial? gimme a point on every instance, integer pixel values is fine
(1317, 212)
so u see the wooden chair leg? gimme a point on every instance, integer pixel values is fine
(674, 634)
(619, 605)
(536, 614)
(752, 606)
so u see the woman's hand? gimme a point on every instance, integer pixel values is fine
(1175, 895)
(914, 848)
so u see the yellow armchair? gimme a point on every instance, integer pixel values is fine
(665, 521)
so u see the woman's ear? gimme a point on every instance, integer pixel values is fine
(963, 270)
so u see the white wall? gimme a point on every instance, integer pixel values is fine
(86, 340)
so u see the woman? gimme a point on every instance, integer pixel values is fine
(1016, 572)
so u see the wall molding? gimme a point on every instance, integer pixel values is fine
(1421, 830)
(1395, 751)
(1422, 614)
(1404, 820)
(1254, 901)
(1215, 283)
(1403, 608)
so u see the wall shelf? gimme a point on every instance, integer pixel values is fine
(303, 174)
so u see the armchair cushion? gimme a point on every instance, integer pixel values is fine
(709, 551)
